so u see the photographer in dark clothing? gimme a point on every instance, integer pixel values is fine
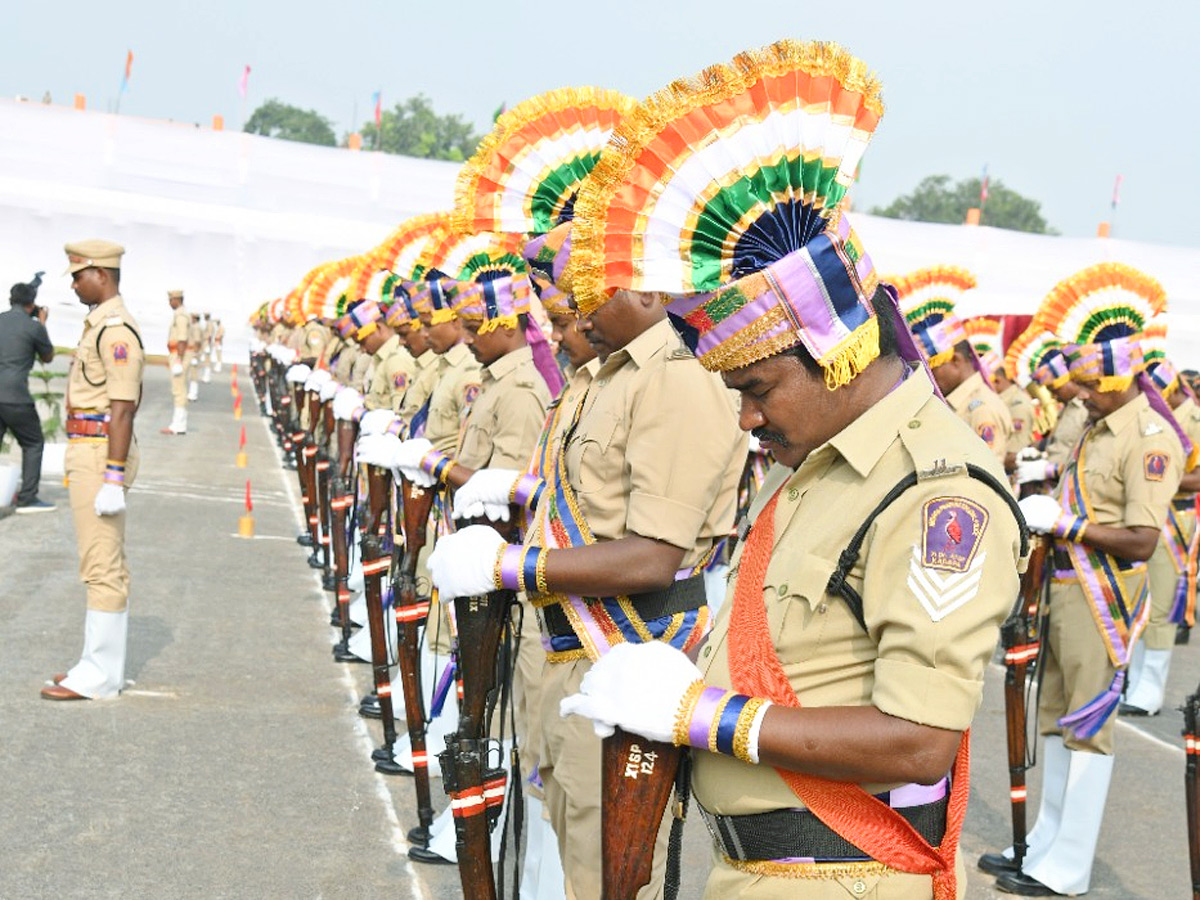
(22, 337)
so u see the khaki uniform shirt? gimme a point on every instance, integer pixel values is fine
(1132, 463)
(360, 372)
(1020, 407)
(209, 330)
(456, 389)
(937, 574)
(981, 408)
(195, 336)
(177, 335)
(393, 370)
(109, 360)
(279, 334)
(1072, 420)
(313, 338)
(657, 451)
(1187, 414)
(506, 420)
(343, 362)
(428, 369)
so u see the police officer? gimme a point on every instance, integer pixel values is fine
(177, 349)
(191, 359)
(1106, 516)
(104, 389)
(826, 702)
(1171, 568)
(1020, 408)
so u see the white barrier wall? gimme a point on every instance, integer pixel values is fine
(232, 218)
(236, 219)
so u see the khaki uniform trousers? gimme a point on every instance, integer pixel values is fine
(190, 372)
(101, 539)
(570, 770)
(1160, 634)
(527, 694)
(1075, 664)
(179, 382)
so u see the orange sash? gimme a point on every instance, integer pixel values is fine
(864, 820)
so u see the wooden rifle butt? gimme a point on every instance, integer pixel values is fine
(463, 763)
(636, 779)
(375, 565)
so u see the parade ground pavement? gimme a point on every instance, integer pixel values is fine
(235, 764)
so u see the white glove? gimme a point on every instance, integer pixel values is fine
(408, 461)
(486, 493)
(463, 564)
(377, 450)
(295, 374)
(754, 445)
(1041, 512)
(110, 500)
(1035, 470)
(328, 390)
(256, 346)
(195, 362)
(376, 421)
(176, 368)
(637, 687)
(1028, 453)
(316, 379)
(287, 355)
(345, 403)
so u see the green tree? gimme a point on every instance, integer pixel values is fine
(938, 199)
(280, 120)
(412, 128)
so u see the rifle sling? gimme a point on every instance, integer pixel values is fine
(838, 584)
(682, 596)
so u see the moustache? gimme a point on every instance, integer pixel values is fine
(773, 436)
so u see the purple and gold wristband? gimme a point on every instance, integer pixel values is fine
(720, 721)
(516, 567)
(527, 491)
(436, 464)
(114, 472)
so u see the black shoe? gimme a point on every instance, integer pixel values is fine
(1020, 883)
(370, 710)
(304, 540)
(996, 864)
(335, 617)
(1126, 709)
(421, 855)
(389, 766)
(327, 582)
(418, 836)
(314, 560)
(35, 506)
(343, 655)
(1183, 634)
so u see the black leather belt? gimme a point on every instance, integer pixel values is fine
(682, 596)
(798, 834)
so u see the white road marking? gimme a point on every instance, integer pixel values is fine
(399, 840)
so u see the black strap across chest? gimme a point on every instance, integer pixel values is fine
(838, 584)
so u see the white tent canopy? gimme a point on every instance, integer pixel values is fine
(236, 219)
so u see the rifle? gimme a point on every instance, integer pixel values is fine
(1191, 784)
(476, 794)
(411, 613)
(1020, 639)
(636, 777)
(375, 565)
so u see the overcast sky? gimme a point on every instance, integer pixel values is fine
(1056, 97)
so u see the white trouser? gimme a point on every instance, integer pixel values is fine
(100, 672)
(1063, 860)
